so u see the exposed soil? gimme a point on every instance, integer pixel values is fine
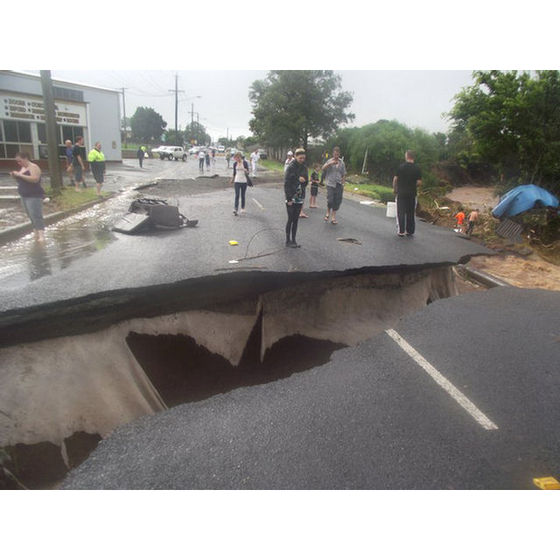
(530, 271)
(524, 272)
(473, 197)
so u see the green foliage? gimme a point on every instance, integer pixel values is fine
(511, 120)
(386, 143)
(292, 106)
(197, 132)
(173, 137)
(147, 125)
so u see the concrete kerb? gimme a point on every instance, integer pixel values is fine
(14, 232)
(482, 277)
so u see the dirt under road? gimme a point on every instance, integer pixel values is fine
(530, 271)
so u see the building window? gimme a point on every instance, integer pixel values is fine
(68, 94)
(15, 137)
(71, 133)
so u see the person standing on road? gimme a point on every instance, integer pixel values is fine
(201, 161)
(405, 184)
(96, 159)
(255, 156)
(334, 174)
(295, 181)
(28, 180)
(314, 186)
(240, 180)
(140, 155)
(289, 160)
(78, 165)
(207, 159)
(228, 156)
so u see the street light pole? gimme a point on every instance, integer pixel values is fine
(176, 90)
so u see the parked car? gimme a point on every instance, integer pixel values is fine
(262, 153)
(221, 149)
(158, 150)
(173, 153)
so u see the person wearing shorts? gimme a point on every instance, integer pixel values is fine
(334, 174)
(28, 180)
(78, 162)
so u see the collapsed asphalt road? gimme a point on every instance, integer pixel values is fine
(371, 418)
(66, 336)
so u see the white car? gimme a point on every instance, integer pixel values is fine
(221, 149)
(158, 150)
(172, 153)
(195, 150)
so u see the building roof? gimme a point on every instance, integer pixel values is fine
(56, 81)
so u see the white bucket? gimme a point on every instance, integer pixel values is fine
(391, 209)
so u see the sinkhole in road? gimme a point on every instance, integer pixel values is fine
(58, 399)
(182, 371)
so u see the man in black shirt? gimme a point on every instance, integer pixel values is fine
(405, 183)
(78, 159)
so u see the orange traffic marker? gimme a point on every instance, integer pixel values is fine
(547, 483)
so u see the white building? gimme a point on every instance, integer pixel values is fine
(81, 110)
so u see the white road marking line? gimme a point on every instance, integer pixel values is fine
(446, 385)
(258, 203)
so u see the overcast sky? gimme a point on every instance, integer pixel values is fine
(416, 98)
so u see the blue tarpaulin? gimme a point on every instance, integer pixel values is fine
(523, 198)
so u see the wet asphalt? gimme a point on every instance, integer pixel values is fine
(83, 256)
(371, 418)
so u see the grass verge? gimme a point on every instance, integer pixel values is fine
(69, 198)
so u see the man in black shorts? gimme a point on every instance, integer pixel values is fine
(405, 184)
(78, 158)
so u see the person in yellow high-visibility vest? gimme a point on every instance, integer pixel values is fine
(96, 160)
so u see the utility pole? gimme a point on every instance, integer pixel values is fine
(50, 124)
(124, 117)
(176, 105)
(192, 114)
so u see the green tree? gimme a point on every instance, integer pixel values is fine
(174, 137)
(512, 120)
(196, 132)
(147, 125)
(292, 106)
(383, 145)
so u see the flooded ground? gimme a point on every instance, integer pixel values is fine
(87, 232)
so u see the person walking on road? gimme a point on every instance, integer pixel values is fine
(96, 159)
(405, 184)
(207, 160)
(140, 155)
(78, 165)
(255, 156)
(228, 156)
(201, 161)
(295, 181)
(28, 180)
(334, 174)
(240, 179)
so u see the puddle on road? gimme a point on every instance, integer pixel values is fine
(79, 236)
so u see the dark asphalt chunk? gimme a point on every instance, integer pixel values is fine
(370, 418)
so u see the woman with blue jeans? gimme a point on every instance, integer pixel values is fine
(29, 188)
(239, 180)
